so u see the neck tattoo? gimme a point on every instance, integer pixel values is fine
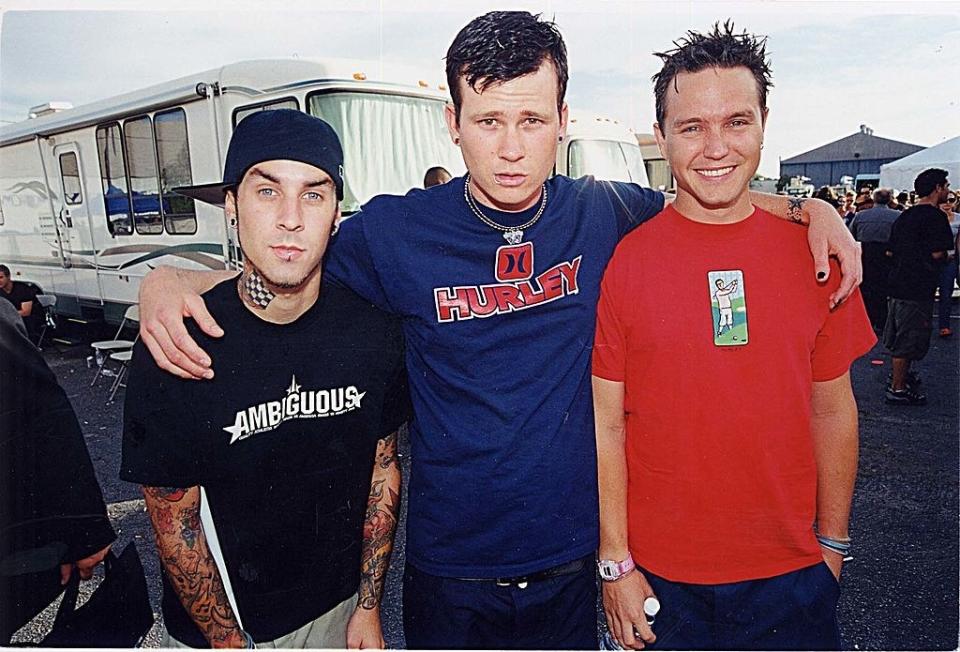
(254, 290)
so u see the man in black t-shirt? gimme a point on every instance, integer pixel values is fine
(23, 296)
(919, 241)
(274, 488)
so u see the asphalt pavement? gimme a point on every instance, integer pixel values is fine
(899, 592)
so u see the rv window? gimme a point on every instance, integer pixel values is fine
(114, 180)
(142, 165)
(389, 141)
(608, 160)
(70, 177)
(244, 111)
(179, 213)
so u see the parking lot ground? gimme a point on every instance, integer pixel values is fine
(900, 591)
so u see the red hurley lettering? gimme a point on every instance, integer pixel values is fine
(466, 302)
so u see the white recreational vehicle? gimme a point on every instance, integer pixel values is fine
(602, 147)
(86, 201)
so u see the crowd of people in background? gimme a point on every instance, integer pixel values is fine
(905, 258)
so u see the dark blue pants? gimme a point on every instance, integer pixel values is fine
(948, 275)
(559, 613)
(795, 611)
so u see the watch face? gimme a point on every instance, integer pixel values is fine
(613, 570)
(608, 569)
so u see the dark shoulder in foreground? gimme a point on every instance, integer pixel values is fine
(358, 313)
(222, 300)
(411, 204)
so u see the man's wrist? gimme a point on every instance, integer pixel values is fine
(236, 638)
(612, 570)
(841, 545)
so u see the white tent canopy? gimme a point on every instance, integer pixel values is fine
(901, 173)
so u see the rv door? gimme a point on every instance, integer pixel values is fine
(71, 216)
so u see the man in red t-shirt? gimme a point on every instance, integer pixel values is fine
(726, 424)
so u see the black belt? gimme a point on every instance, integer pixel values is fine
(521, 581)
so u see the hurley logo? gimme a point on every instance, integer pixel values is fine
(297, 404)
(516, 289)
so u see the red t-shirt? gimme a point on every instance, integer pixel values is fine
(722, 479)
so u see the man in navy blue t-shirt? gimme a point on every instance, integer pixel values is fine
(496, 277)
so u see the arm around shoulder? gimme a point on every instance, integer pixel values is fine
(167, 296)
(827, 236)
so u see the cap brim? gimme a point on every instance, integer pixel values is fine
(210, 193)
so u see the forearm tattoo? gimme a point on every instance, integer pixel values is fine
(380, 524)
(253, 290)
(795, 209)
(193, 574)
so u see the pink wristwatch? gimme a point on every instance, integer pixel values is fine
(611, 571)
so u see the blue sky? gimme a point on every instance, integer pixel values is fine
(891, 65)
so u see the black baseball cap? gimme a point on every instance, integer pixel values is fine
(274, 135)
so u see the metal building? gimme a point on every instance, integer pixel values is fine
(859, 153)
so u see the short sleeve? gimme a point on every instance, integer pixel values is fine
(397, 407)
(160, 447)
(350, 262)
(633, 205)
(939, 234)
(845, 336)
(610, 343)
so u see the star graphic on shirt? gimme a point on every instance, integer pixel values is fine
(235, 430)
(294, 387)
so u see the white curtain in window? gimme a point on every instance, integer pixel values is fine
(389, 142)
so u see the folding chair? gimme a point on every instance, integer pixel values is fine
(48, 302)
(104, 349)
(123, 357)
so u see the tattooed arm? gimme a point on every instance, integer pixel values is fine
(193, 574)
(383, 512)
(827, 236)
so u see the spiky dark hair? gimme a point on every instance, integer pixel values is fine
(504, 45)
(719, 48)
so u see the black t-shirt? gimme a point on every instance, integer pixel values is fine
(20, 294)
(917, 233)
(282, 440)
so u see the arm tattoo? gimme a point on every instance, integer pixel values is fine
(387, 452)
(380, 524)
(795, 209)
(193, 574)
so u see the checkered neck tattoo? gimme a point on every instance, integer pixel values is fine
(256, 292)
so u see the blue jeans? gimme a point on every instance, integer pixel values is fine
(559, 613)
(948, 274)
(794, 611)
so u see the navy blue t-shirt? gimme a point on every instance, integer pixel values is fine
(498, 337)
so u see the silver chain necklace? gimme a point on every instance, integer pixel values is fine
(512, 234)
